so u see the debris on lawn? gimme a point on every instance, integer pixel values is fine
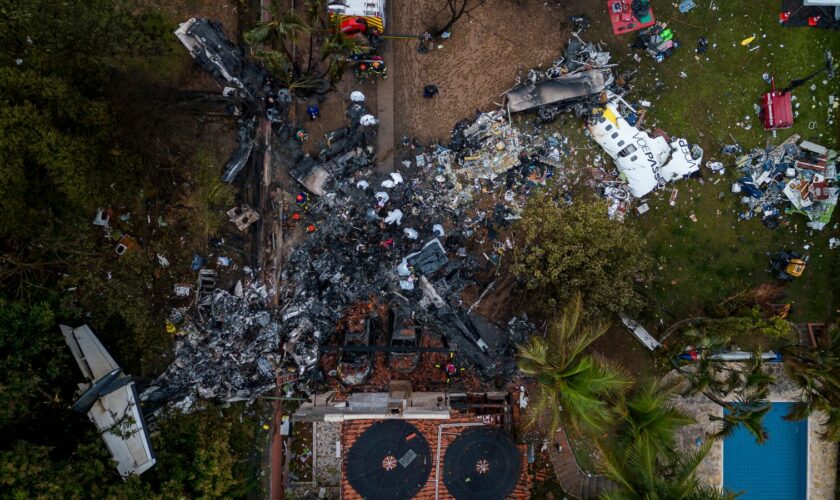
(386, 256)
(574, 83)
(801, 176)
(644, 162)
(657, 41)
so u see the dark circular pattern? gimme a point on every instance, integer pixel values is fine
(379, 445)
(482, 464)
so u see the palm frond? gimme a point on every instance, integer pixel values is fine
(615, 468)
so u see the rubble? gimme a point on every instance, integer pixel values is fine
(802, 176)
(231, 354)
(573, 83)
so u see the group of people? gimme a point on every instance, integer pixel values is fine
(374, 68)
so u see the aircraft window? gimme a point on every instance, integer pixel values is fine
(629, 150)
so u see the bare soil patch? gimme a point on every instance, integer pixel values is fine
(474, 66)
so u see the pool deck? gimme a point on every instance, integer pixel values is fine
(822, 455)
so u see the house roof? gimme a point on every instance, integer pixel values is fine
(351, 431)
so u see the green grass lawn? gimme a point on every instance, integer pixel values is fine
(706, 260)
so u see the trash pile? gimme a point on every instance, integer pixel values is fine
(574, 83)
(229, 352)
(802, 176)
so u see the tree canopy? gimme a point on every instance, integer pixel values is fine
(562, 249)
(70, 72)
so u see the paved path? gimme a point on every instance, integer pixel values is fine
(566, 468)
(385, 105)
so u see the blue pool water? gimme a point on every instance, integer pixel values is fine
(776, 470)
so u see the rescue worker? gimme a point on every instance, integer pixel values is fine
(378, 69)
(368, 120)
(362, 71)
(313, 111)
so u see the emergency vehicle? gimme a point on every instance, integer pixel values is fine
(359, 16)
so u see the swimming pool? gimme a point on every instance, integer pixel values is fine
(775, 470)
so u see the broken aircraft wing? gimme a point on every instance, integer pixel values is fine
(111, 402)
(220, 57)
(94, 361)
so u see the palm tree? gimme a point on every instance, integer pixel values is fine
(747, 380)
(646, 416)
(817, 372)
(640, 473)
(282, 31)
(746, 411)
(571, 384)
(642, 458)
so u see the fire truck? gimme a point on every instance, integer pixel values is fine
(359, 16)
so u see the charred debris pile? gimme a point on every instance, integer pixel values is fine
(410, 240)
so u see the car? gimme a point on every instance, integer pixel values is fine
(404, 333)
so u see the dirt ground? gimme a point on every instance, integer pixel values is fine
(473, 67)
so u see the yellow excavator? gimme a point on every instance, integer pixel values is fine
(788, 265)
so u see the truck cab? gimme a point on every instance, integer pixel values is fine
(359, 16)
